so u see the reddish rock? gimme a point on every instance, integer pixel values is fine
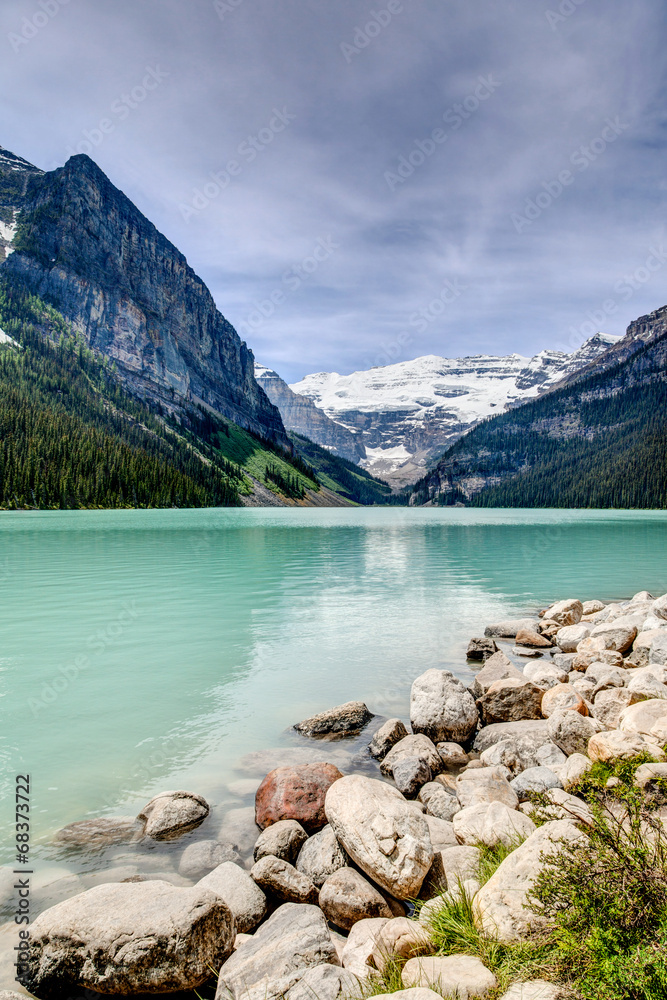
(295, 793)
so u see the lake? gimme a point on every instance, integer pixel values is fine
(152, 650)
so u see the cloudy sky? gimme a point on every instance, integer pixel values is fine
(359, 182)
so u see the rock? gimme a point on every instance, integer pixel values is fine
(413, 746)
(641, 718)
(321, 856)
(410, 773)
(280, 879)
(142, 937)
(528, 637)
(325, 982)
(548, 755)
(618, 634)
(566, 612)
(336, 723)
(490, 735)
(511, 700)
(481, 649)
(516, 754)
(483, 785)
(536, 989)
(562, 697)
(456, 976)
(590, 607)
(360, 944)
(568, 638)
(659, 607)
(283, 839)
(400, 938)
(460, 864)
(574, 770)
(583, 687)
(244, 898)
(452, 754)
(386, 737)
(171, 814)
(294, 939)
(609, 704)
(534, 780)
(652, 779)
(618, 745)
(645, 683)
(583, 660)
(606, 676)
(500, 905)
(441, 707)
(295, 793)
(97, 834)
(545, 675)
(491, 825)
(441, 833)
(527, 652)
(564, 661)
(569, 807)
(203, 856)
(497, 668)
(571, 731)
(439, 802)
(509, 629)
(652, 622)
(239, 829)
(347, 897)
(381, 832)
(641, 648)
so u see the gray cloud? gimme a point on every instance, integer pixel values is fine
(359, 89)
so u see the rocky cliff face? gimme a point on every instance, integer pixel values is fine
(15, 175)
(84, 247)
(300, 414)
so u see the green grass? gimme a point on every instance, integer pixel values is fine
(255, 456)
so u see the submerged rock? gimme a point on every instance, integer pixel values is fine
(97, 834)
(336, 723)
(171, 814)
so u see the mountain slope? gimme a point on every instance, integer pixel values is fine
(81, 245)
(599, 442)
(342, 476)
(406, 414)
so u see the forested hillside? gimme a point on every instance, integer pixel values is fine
(601, 442)
(342, 476)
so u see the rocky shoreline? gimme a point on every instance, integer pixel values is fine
(343, 873)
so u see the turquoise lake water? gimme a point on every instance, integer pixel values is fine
(148, 650)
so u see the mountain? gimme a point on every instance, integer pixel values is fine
(406, 414)
(597, 441)
(302, 417)
(344, 477)
(73, 239)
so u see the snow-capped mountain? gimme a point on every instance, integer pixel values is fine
(408, 413)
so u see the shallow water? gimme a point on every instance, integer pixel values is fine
(148, 650)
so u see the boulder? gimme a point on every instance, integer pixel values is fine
(410, 773)
(618, 745)
(497, 668)
(452, 754)
(441, 707)
(321, 856)
(527, 652)
(171, 814)
(517, 754)
(549, 755)
(481, 649)
(295, 793)
(562, 697)
(490, 735)
(652, 779)
(606, 676)
(574, 770)
(482, 785)
(139, 937)
(244, 898)
(386, 737)
(326, 982)
(509, 629)
(511, 700)
(534, 780)
(441, 833)
(439, 802)
(566, 612)
(641, 647)
(294, 939)
(583, 658)
(400, 938)
(528, 637)
(360, 944)
(647, 683)
(381, 832)
(347, 897)
(618, 634)
(590, 607)
(239, 829)
(642, 717)
(283, 839)
(659, 607)
(203, 856)
(282, 881)
(413, 746)
(564, 660)
(535, 989)
(610, 703)
(562, 805)
(545, 675)
(457, 976)
(500, 905)
(568, 638)
(336, 723)
(491, 825)
(571, 731)
(100, 833)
